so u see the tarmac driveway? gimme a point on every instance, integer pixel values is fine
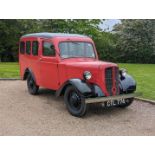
(44, 114)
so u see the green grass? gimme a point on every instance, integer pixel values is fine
(143, 73)
(9, 70)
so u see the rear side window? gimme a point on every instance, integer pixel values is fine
(22, 47)
(35, 48)
(48, 49)
(28, 47)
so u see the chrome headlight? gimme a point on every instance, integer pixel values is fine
(87, 75)
(123, 72)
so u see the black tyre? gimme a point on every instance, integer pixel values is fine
(75, 103)
(31, 85)
(127, 103)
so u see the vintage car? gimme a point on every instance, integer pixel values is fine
(69, 64)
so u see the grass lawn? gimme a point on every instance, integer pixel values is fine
(143, 73)
(145, 77)
(9, 70)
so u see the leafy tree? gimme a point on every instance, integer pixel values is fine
(8, 29)
(105, 41)
(106, 46)
(84, 26)
(136, 41)
(12, 30)
(131, 41)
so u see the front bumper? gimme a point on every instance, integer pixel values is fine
(111, 98)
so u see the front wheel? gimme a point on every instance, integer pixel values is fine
(127, 103)
(75, 103)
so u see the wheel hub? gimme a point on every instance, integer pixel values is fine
(75, 99)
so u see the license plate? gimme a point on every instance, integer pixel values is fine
(113, 103)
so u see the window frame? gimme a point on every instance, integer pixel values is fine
(33, 46)
(81, 42)
(22, 52)
(30, 47)
(47, 41)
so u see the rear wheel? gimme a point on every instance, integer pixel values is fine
(127, 103)
(75, 103)
(32, 87)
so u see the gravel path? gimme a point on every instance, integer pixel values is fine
(44, 114)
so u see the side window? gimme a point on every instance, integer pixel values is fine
(28, 47)
(48, 49)
(35, 47)
(22, 47)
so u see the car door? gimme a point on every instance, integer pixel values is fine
(48, 65)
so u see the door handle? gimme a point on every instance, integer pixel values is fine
(40, 59)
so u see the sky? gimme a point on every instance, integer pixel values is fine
(109, 23)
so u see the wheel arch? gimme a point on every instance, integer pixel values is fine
(84, 88)
(80, 85)
(62, 90)
(27, 72)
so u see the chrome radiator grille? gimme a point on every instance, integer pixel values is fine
(112, 80)
(117, 80)
(108, 80)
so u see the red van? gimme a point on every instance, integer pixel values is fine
(69, 64)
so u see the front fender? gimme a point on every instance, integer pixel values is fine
(81, 86)
(86, 89)
(127, 84)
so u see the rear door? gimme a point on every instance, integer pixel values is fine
(48, 65)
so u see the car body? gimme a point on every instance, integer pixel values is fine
(69, 63)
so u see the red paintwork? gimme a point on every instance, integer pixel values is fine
(52, 72)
